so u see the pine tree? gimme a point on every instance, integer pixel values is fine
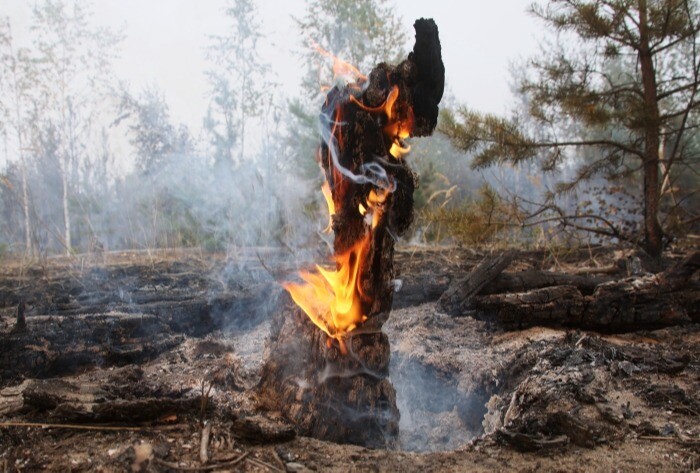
(621, 81)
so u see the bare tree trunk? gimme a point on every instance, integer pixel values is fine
(652, 229)
(28, 250)
(23, 170)
(66, 211)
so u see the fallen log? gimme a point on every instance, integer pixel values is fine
(533, 279)
(416, 289)
(459, 295)
(646, 302)
(56, 400)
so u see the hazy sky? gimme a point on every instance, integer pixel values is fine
(165, 42)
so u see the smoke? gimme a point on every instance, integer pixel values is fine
(436, 415)
(369, 173)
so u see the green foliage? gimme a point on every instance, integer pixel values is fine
(492, 139)
(155, 138)
(361, 32)
(473, 222)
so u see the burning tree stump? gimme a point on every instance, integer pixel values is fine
(328, 360)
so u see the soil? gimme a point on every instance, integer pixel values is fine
(473, 395)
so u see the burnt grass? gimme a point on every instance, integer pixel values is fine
(145, 349)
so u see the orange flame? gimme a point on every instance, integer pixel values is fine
(396, 130)
(326, 189)
(341, 69)
(333, 298)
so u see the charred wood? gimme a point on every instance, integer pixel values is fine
(459, 295)
(325, 394)
(535, 279)
(56, 400)
(262, 429)
(652, 301)
(56, 345)
(21, 318)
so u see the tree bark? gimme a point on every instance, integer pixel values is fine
(28, 249)
(534, 279)
(66, 210)
(653, 235)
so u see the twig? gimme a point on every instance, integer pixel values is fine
(204, 401)
(261, 463)
(278, 460)
(175, 466)
(108, 428)
(71, 426)
(610, 269)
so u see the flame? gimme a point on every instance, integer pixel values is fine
(326, 190)
(341, 69)
(396, 129)
(333, 298)
(374, 208)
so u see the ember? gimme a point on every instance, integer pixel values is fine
(333, 383)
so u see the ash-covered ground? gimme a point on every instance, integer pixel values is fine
(126, 359)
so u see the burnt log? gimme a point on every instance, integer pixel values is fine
(646, 302)
(332, 384)
(534, 279)
(57, 400)
(459, 295)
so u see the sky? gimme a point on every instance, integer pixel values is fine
(165, 41)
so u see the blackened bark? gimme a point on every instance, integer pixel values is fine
(665, 299)
(459, 295)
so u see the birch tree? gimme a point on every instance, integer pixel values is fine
(238, 82)
(18, 81)
(75, 64)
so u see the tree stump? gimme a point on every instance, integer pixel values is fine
(330, 378)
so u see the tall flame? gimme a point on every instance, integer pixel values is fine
(333, 298)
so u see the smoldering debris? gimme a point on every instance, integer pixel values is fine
(467, 388)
